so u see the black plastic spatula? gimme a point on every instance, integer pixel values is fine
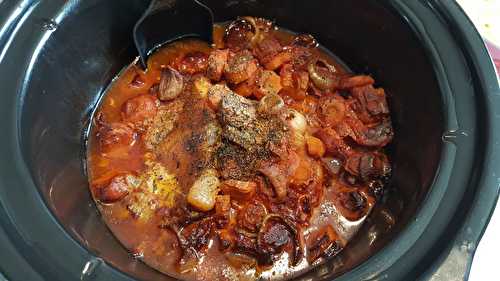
(168, 20)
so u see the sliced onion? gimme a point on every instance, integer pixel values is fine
(259, 30)
(270, 104)
(245, 232)
(239, 260)
(322, 78)
(295, 234)
(296, 121)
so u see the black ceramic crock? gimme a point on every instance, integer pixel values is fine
(58, 56)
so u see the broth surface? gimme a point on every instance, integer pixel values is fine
(255, 158)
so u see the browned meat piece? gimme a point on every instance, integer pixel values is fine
(239, 189)
(171, 84)
(215, 94)
(222, 205)
(325, 244)
(294, 82)
(334, 143)
(377, 135)
(162, 124)
(222, 209)
(268, 83)
(240, 124)
(278, 60)
(370, 103)
(238, 111)
(247, 135)
(278, 178)
(301, 57)
(192, 63)
(140, 109)
(260, 84)
(267, 49)
(291, 170)
(194, 240)
(240, 67)
(116, 140)
(197, 234)
(235, 162)
(251, 217)
(368, 165)
(116, 190)
(245, 244)
(174, 218)
(247, 88)
(355, 81)
(217, 62)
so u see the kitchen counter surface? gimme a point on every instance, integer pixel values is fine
(486, 16)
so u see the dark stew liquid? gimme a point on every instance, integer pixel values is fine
(255, 158)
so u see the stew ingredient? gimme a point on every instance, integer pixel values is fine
(257, 157)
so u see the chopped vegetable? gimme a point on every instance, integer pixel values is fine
(315, 147)
(296, 121)
(203, 192)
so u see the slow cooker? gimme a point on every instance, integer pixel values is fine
(57, 58)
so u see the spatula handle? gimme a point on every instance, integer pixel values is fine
(165, 21)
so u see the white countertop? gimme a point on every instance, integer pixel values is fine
(486, 16)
